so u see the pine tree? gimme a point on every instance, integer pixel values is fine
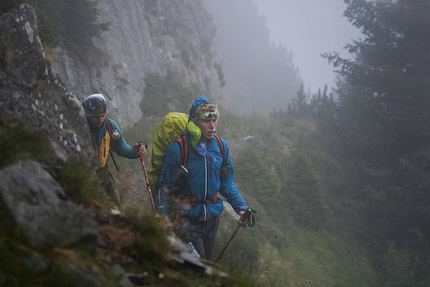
(384, 103)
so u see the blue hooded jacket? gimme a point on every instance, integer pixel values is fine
(203, 179)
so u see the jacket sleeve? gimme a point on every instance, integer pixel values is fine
(120, 146)
(228, 188)
(166, 178)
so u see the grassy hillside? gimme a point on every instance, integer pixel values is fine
(301, 237)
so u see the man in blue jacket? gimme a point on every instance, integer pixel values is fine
(188, 196)
(106, 136)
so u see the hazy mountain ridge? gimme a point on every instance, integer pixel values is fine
(260, 76)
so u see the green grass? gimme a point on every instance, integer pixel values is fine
(327, 260)
(279, 251)
(290, 245)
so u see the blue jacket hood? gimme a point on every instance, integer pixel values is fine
(200, 100)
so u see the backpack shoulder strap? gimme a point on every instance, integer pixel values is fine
(220, 144)
(183, 144)
(108, 126)
(110, 131)
(225, 167)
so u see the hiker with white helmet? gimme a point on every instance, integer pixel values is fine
(187, 189)
(106, 136)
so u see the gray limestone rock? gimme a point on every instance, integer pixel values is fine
(33, 201)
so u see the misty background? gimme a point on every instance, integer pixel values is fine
(309, 28)
(268, 49)
(341, 183)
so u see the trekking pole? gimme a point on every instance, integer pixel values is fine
(113, 159)
(251, 221)
(148, 187)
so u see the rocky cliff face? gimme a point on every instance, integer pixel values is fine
(145, 37)
(31, 93)
(46, 99)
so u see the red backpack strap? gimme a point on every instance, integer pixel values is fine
(183, 144)
(221, 146)
(108, 126)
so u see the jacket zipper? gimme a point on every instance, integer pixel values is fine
(206, 187)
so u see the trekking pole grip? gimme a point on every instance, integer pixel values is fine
(248, 215)
(145, 144)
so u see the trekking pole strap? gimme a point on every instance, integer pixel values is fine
(248, 215)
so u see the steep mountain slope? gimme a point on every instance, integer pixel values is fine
(145, 37)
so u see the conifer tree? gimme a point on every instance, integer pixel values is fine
(384, 103)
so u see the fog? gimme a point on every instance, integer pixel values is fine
(308, 28)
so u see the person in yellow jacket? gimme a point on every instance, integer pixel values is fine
(106, 136)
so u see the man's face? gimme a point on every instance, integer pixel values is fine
(208, 128)
(96, 120)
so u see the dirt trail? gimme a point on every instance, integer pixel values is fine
(117, 234)
(133, 192)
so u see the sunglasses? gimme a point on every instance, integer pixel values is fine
(209, 115)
